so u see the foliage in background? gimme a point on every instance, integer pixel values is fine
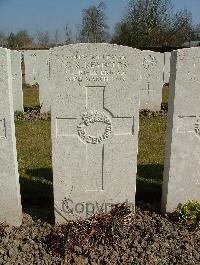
(153, 23)
(94, 25)
(145, 23)
(43, 38)
(68, 35)
(19, 40)
(190, 213)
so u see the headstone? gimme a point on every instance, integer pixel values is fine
(10, 201)
(152, 80)
(95, 124)
(17, 81)
(182, 156)
(166, 72)
(30, 62)
(43, 68)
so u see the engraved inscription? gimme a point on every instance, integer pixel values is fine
(95, 68)
(2, 128)
(192, 77)
(91, 117)
(189, 124)
(197, 127)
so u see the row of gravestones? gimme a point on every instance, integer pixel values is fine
(155, 72)
(95, 123)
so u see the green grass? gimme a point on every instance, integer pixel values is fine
(165, 94)
(150, 158)
(31, 96)
(35, 168)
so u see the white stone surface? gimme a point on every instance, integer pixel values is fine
(166, 73)
(43, 69)
(10, 201)
(95, 120)
(17, 81)
(30, 62)
(152, 80)
(182, 156)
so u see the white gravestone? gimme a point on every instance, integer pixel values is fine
(152, 80)
(182, 159)
(30, 62)
(166, 72)
(17, 81)
(10, 200)
(95, 120)
(43, 68)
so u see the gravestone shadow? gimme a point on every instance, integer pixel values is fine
(37, 194)
(42, 173)
(149, 183)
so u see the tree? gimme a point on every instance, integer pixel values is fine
(181, 28)
(18, 40)
(196, 33)
(23, 38)
(94, 27)
(56, 37)
(12, 41)
(152, 23)
(68, 35)
(43, 38)
(3, 39)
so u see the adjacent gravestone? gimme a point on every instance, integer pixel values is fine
(43, 68)
(94, 127)
(17, 81)
(166, 72)
(182, 158)
(30, 62)
(152, 80)
(10, 201)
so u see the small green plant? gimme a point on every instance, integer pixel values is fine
(189, 213)
(35, 85)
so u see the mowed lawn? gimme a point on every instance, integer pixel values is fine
(35, 168)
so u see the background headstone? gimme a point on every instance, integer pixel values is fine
(152, 80)
(30, 62)
(166, 73)
(43, 69)
(10, 200)
(95, 120)
(17, 81)
(182, 156)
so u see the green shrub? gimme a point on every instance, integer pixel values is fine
(189, 213)
(35, 85)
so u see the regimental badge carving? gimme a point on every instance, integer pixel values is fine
(89, 118)
(197, 127)
(149, 62)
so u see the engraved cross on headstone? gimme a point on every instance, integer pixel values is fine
(95, 133)
(147, 90)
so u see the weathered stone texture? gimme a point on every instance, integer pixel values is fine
(152, 80)
(94, 127)
(43, 69)
(17, 81)
(166, 73)
(30, 62)
(182, 159)
(10, 201)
